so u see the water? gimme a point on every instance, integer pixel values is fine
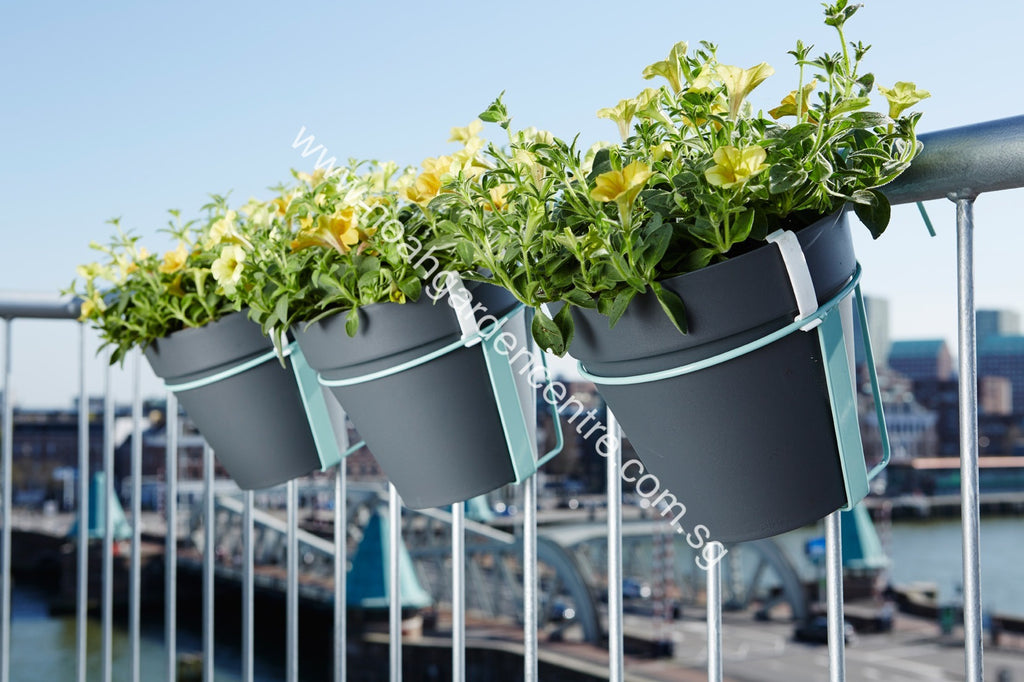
(43, 647)
(930, 551)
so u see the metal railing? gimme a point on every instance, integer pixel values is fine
(959, 164)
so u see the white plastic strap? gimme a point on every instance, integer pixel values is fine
(799, 275)
(467, 320)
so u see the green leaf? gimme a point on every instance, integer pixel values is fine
(547, 334)
(352, 321)
(740, 228)
(849, 105)
(619, 305)
(563, 318)
(672, 305)
(704, 230)
(281, 309)
(655, 246)
(579, 298)
(872, 207)
(784, 177)
(411, 287)
(659, 202)
(602, 164)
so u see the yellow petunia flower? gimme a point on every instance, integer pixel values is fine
(622, 113)
(227, 269)
(901, 96)
(498, 195)
(222, 230)
(621, 186)
(174, 260)
(735, 166)
(468, 133)
(338, 231)
(670, 68)
(91, 307)
(740, 82)
(702, 81)
(788, 105)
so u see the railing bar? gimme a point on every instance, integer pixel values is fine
(108, 525)
(967, 348)
(614, 472)
(136, 559)
(8, 457)
(459, 592)
(394, 583)
(292, 594)
(247, 588)
(714, 616)
(171, 538)
(82, 500)
(834, 597)
(209, 559)
(340, 566)
(530, 648)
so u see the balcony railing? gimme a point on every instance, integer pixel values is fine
(959, 164)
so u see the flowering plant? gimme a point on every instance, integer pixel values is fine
(362, 234)
(134, 297)
(697, 178)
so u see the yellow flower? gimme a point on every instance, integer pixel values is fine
(396, 295)
(622, 113)
(788, 105)
(740, 82)
(467, 133)
(174, 260)
(670, 68)
(648, 105)
(312, 180)
(735, 166)
(532, 135)
(902, 95)
(498, 195)
(621, 186)
(227, 269)
(660, 151)
(338, 231)
(222, 230)
(702, 81)
(425, 187)
(91, 307)
(141, 255)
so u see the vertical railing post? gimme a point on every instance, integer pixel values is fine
(459, 592)
(834, 597)
(135, 610)
(5, 562)
(530, 649)
(713, 597)
(616, 665)
(108, 526)
(209, 562)
(394, 582)
(171, 539)
(248, 570)
(967, 349)
(340, 573)
(292, 593)
(82, 500)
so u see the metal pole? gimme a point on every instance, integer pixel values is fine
(967, 347)
(340, 561)
(8, 457)
(530, 648)
(136, 558)
(459, 592)
(714, 608)
(614, 472)
(248, 570)
(292, 599)
(171, 538)
(108, 526)
(82, 568)
(834, 597)
(394, 582)
(209, 561)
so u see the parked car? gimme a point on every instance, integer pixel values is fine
(815, 631)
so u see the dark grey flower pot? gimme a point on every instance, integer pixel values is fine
(434, 429)
(254, 420)
(749, 445)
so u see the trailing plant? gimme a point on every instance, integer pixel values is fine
(697, 178)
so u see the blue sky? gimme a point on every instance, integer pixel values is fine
(131, 109)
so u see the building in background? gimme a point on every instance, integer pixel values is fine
(922, 360)
(1003, 356)
(996, 323)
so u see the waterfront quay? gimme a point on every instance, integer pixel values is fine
(665, 631)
